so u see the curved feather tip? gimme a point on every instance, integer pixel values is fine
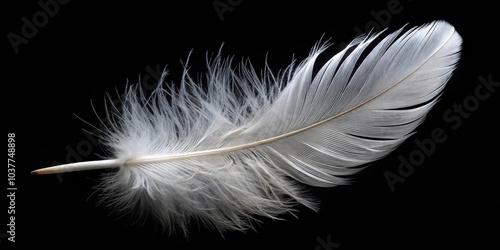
(224, 154)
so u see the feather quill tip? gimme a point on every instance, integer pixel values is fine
(78, 166)
(40, 171)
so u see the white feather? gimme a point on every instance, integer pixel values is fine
(223, 155)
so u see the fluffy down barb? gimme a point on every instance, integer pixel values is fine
(221, 191)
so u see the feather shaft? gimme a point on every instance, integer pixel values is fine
(78, 166)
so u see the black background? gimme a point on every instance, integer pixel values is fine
(90, 48)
